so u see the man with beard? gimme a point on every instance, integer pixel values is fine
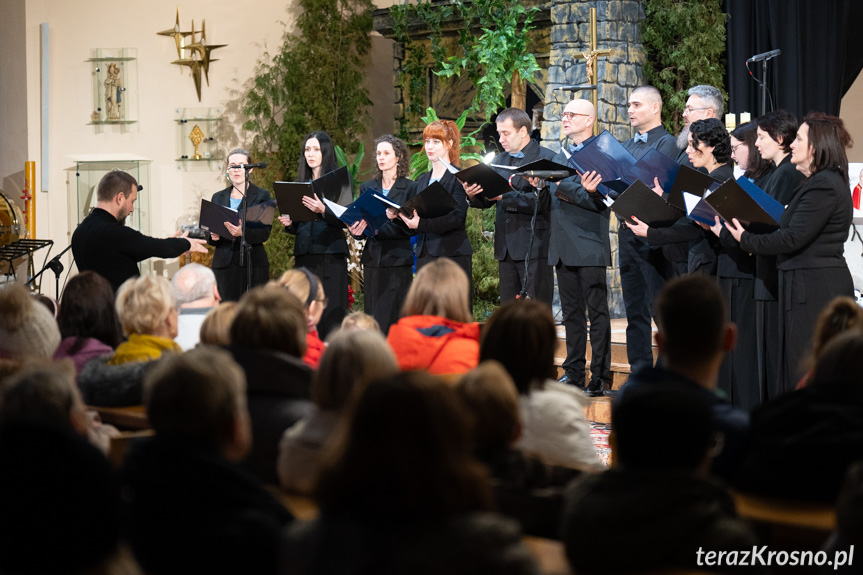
(704, 102)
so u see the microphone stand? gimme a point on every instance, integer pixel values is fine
(56, 266)
(245, 248)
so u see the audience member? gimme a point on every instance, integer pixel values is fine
(803, 442)
(268, 341)
(521, 336)
(693, 336)
(88, 320)
(359, 321)
(148, 314)
(27, 328)
(351, 358)
(399, 492)
(309, 290)
(524, 487)
(62, 510)
(849, 523)
(47, 394)
(436, 331)
(196, 293)
(657, 503)
(216, 327)
(842, 314)
(194, 509)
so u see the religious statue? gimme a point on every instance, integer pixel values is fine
(113, 91)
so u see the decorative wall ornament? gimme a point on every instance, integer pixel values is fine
(196, 54)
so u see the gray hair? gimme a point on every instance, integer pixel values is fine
(192, 282)
(41, 394)
(712, 97)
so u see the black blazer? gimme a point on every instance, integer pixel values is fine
(515, 209)
(228, 249)
(391, 245)
(444, 236)
(813, 229)
(579, 224)
(325, 236)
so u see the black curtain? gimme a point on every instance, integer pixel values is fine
(821, 55)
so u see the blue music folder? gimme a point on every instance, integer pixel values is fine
(367, 207)
(606, 156)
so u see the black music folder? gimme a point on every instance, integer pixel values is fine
(752, 206)
(433, 202)
(691, 181)
(642, 202)
(290, 198)
(493, 184)
(213, 216)
(606, 156)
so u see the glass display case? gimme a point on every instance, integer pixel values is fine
(115, 87)
(197, 141)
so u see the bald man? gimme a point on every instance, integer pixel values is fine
(580, 251)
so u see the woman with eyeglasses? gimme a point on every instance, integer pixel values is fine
(230, 276)
(810, 243)
(321, 246)
(307, 288)
(444, 236)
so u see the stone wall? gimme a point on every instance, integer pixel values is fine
(617, 29)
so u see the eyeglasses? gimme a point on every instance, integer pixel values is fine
(689, 109)
(571, 115)
(734, 148)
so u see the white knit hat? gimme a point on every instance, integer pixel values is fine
(36, 337)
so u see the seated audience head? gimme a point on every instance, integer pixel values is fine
(87, 310)
(194, 285)
(745, 154)
(820, 145)
(403, 452)
(62, 509)
(44, 394)
(216, 329)
(663, 427)
(521, 336)
(776, 131)
(690, 318)
(28, 331)
(440, 289)
(146, 306)
(351, 358)
(841, 362)
(200, 397)
(710, 144)
(840, 315)
(309, 290)
(359, 321)
(490, 397)
(269, 317)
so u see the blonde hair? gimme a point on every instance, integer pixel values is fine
(299, 283)
(440, 288)
(216, 329)
(351, 358)
(143, 304)
(359, 321)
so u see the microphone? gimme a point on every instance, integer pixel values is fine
(544, 174)
(764, 56)
(261, 165)
(576, 88)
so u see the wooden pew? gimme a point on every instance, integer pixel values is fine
(119, 445)
(131, 418)
(786, 524)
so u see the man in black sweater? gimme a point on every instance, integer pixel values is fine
(102, 243)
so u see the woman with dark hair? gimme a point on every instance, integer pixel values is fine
(230, 276)
(398, 481)
(735, 273)
(437, 332)
(388, 258)
(810, 241)
(88, 320)
(521, 336)
(321, 246)
(709, 150)
(444, 236)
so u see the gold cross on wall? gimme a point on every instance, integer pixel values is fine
(590, 58)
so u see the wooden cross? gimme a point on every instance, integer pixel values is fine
(590, 58)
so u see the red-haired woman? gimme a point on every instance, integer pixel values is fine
(444, 236)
